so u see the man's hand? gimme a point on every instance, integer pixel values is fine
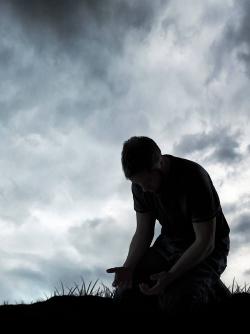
(123, 276)
(163, 278)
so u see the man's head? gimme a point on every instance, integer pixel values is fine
(142, 163)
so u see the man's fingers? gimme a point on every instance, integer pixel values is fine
(150, 291)
(120, 278)
(117, 282)
(113, 270)
(122, 284)
(114, 284)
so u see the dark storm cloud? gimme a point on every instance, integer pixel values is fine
(60, 70)
(224, 143)
(243, 225)
(241, 33)
(50, 45)
(75, 85)
(67, 17)
(240, 232)
(6, 56)
(235, 37)
(84, 27)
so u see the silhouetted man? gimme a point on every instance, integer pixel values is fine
(184, 265)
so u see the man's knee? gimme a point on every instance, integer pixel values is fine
(187, 295)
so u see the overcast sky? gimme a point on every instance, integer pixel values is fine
(78, 78)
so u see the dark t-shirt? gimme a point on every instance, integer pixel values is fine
(187, 196)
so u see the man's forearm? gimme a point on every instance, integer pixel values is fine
(137, 249)
(195, 254)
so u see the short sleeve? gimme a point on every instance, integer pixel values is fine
(142, 202)
(204, 203)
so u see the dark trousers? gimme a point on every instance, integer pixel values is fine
(201, 284)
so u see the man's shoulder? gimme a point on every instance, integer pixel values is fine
(186, 167)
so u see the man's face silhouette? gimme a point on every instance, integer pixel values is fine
(150, 180)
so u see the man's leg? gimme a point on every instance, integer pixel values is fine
(189, 292)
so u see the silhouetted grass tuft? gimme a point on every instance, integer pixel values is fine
(76, 291)
(83, 291)
(237, 289)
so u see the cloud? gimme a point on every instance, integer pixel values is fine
(39, 275)
(70, 55)
(26, 274)
(77, 79)
(243, 225)
(90, 30)
(65, 83)
(223, 143)
(237, 215)
(240, 231)
(229, 208)
(234, 39)
(96, 232)
(247, 272)
(70, 17)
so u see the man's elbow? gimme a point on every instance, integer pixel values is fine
(210, 248)
(207, 247)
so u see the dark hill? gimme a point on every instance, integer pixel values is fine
(103, 311)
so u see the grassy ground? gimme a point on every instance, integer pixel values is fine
(86, 290)
(85, 304)
(83, 290)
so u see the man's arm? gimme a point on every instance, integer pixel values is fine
(142, 238)
(199, 250)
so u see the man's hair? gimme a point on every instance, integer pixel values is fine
(139, 153)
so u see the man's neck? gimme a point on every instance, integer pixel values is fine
(166, 165)
(165, 171)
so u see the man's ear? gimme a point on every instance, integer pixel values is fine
(158, 165)
(161, 161)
